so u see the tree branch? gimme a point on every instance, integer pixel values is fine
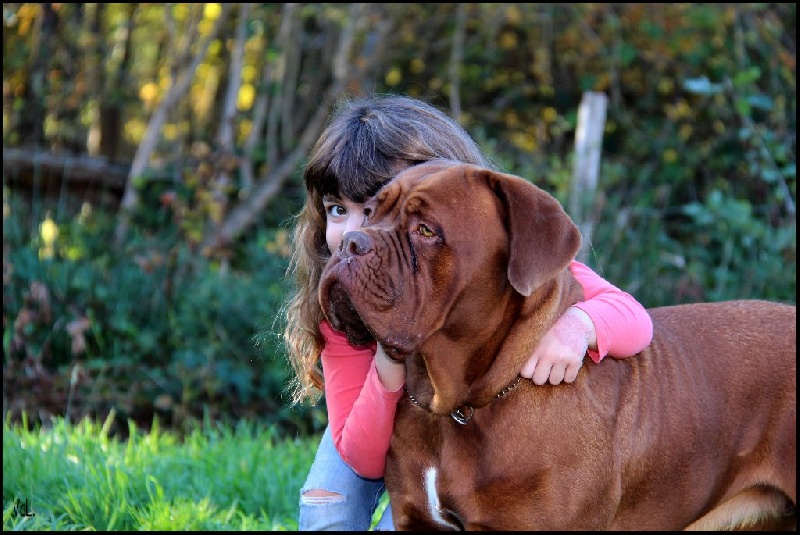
(130, 198)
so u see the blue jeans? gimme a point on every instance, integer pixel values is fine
(357, 498)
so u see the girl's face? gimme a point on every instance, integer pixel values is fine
(341, 215)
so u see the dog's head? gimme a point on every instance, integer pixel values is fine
(445, 249)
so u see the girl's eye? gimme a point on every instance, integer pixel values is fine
(336, 210)
(424, 230)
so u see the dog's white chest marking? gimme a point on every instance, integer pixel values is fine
(434, 506)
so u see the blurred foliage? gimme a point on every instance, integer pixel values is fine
(153, 329)
(696, 198)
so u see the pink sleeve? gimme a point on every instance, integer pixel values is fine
(622, 324)
(360, 410)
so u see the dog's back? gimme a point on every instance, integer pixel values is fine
(714, 399)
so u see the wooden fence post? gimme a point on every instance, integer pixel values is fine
(588, 148)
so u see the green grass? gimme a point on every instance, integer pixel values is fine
(75, 477)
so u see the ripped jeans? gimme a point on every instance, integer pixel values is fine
(356, 500)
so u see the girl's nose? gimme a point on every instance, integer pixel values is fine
(354, 221)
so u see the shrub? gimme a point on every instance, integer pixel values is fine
(152, 329)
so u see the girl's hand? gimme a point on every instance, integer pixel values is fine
(391, 373)
(559, 355)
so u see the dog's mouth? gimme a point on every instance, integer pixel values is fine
(342, 315)
(340, 309)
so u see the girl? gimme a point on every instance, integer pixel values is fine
(365, 144)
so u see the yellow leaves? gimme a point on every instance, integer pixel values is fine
(148, 93)
(513, 14)
(670, 156)
(171, 131)
(666, 86)
(204, 89)
(215, 46)
(247, 94)
(508, 41)
(165, 82)
(393, 77)
(73, 253)
(416, 66)
(547, 91)
(48, 231)
(212, 11)
(511, 118)
(134, 130)
(678, 111)
(603, 82)
(524, 141)
(541, 65)
(249, 73)
(26, 15)
(245, 127)
(214, 209)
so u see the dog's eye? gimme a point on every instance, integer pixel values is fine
(424, 230)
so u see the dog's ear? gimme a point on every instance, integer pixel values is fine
(543, 239)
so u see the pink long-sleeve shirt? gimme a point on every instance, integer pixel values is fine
(361, 411)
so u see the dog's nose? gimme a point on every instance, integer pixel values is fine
(356, 242)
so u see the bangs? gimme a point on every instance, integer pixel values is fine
(359, 176)
(351, 164)
(351, 180)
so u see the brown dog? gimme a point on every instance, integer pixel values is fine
(459, 271)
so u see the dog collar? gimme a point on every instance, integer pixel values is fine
(464, 414)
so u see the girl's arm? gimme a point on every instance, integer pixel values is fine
(622, 325)
(608, 322)
(360, 408)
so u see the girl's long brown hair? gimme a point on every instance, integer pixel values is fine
(366, 142)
